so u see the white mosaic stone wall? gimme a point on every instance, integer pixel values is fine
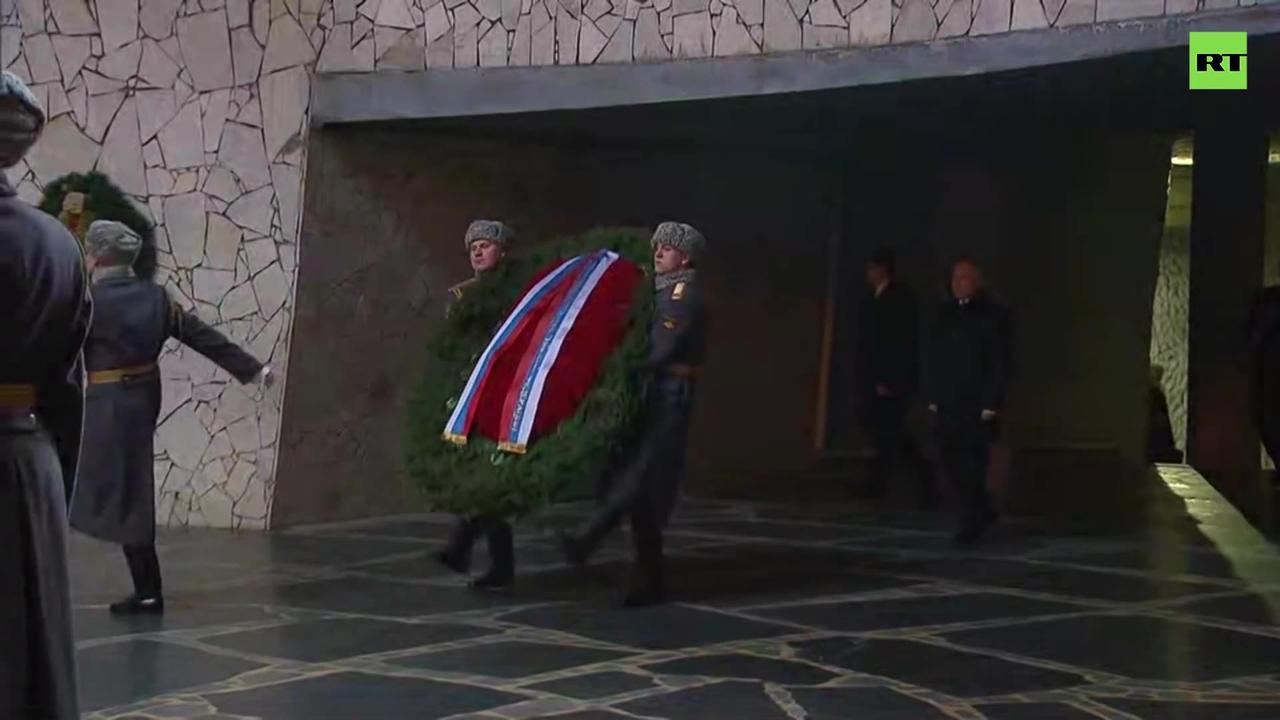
(1170, 331)
(1169, 325)
(367, 35)
(197, 110)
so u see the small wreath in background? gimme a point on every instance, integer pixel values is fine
(100, 199)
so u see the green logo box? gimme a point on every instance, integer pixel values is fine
(1219, 61)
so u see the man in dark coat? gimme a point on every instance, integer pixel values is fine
(647, 484)
(886, 371)
(115, 500)
(487, 244)
(967, 374)
(1264, 347)
(44, 315)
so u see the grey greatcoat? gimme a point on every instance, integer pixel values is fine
(652, 467)
(44, 314)
(115, 498)
(677, 345)
(645, 485)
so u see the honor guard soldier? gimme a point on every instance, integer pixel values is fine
(647, 483)
(44, 316)
(115, 500)
(487, 243)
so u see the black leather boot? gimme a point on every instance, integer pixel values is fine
(648, 579)
(456, 555)
(502, 556)
(575, 555)
(148, 589)
(647, 588)
(134, 605)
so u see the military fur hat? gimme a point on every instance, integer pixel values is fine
(21, 119)
(682, 237)
(107, 238)
(491, 230)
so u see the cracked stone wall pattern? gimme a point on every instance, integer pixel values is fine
(369, 35)
(1271, 241)
(1169, 328)
(1170, 312)
(197, 110)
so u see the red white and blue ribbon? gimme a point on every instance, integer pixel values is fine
(521, 406)
(464, 413)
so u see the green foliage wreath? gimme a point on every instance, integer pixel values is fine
(478, 479)
(104, 201)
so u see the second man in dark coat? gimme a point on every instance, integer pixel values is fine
(115, 498)
(887, 371)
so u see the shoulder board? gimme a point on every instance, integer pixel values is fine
(456, 290)
(677, 291)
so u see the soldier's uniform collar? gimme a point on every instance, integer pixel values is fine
(685, 277)
(112, 272)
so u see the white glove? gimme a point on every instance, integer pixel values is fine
(265, 378)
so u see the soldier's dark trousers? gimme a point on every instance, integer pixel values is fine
(629, 499)
(144, 567)
(644, 489)
(37, 656)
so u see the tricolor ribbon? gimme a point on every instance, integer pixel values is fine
(520, 408)
(464, 412)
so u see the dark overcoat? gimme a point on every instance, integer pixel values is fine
(115, 498)
(45, 312)
(677, 346)
(888, 351)
(967, 369)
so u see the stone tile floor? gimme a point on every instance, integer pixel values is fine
(830, 613)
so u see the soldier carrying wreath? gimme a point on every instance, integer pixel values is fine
(487, 243)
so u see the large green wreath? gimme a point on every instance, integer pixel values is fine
(104, 201)
(479, 479)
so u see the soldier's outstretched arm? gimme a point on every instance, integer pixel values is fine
(60, 398)
(190, 330)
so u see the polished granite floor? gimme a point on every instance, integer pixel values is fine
(826, 613)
